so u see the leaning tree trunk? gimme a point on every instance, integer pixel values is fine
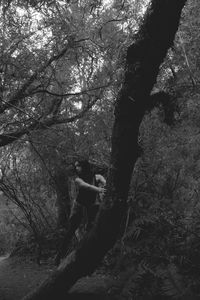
(144, 57)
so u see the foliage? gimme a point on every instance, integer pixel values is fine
(157, 255)
(61, 67)
(181, 68)
(29, 199)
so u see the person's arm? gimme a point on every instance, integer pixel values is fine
(82, 184)
(100, 179)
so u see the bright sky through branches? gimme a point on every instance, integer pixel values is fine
(40, 34)
(108, 3)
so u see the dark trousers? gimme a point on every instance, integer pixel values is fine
(75, 221)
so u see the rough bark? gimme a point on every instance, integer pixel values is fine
(143, 60)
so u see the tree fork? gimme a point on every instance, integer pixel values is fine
(144, 57)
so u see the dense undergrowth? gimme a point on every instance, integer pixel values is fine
(158, 253)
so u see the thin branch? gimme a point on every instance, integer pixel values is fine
(8, 138)
(41, 158)
(186, 60)
(21, 93)
(71, 94)
(22, 111)
(109, 21)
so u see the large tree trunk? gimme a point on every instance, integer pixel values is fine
(144, 58)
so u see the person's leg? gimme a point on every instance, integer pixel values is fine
(91, 215)
(74, 222)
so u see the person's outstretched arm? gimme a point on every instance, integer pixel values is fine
(82, 184)
(100, 179)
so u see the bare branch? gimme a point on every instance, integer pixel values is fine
(71, 94)
(8, 138)
(21, 93)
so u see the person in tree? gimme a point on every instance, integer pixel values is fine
(90, 190)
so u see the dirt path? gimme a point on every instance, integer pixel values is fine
(19, 276)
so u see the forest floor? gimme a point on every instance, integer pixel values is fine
(20, 275)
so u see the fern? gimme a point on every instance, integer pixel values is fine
(173, 283)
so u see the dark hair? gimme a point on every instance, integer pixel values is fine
(86, 170)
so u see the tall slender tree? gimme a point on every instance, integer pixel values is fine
(143, 60)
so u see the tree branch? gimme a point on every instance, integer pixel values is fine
(8, 138)
(71, 94)
(22, 92)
